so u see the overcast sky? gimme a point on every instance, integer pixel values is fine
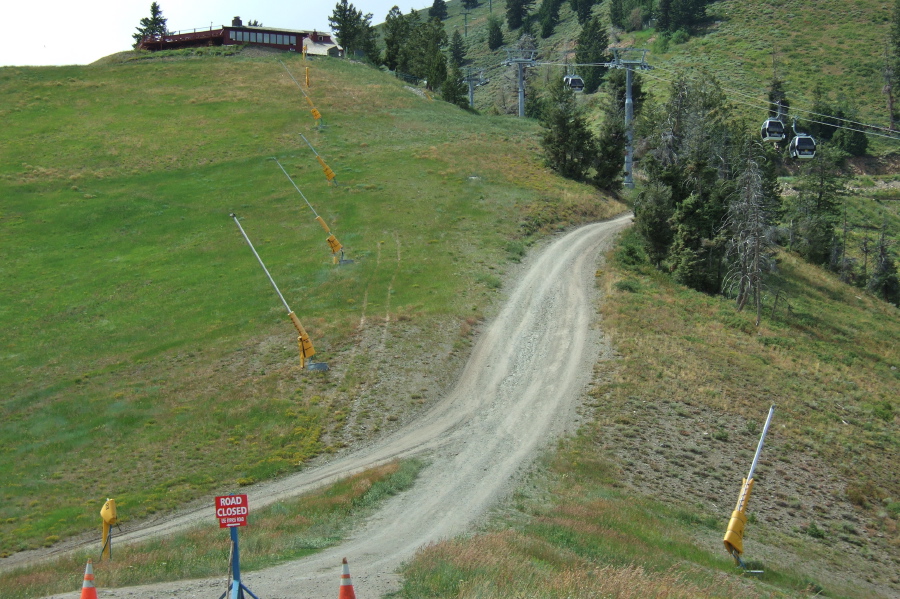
(81, 31)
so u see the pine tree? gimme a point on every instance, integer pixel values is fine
(617, 13)
(591, 48)
(495, 33)
(396, 32)
(885, 282)
(813, 211)
(423, 56)
(516, 11)
(548, 15)
(354, 31)
(470, 4)
(457, 48)
(453, 89)
(154, 25)
(569, 146)
(438, 10)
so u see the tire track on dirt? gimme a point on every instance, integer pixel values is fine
(517, 393)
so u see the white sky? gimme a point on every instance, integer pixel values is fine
(57, 32)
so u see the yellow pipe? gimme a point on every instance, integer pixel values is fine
(734, 535)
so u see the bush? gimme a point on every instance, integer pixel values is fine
(680, 37)
(629, 285)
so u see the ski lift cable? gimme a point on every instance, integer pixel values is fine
(808, 112)
(758, 105)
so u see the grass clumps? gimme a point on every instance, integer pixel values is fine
(280, 532)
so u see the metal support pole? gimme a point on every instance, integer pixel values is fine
(762, 439)
(521, 89)
(237, 588)
(629, 128)
(235, 565)
(471, 92)
(266, 270)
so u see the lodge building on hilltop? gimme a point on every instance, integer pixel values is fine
(291, 40)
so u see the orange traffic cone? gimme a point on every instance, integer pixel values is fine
(346, 591)
(88, 590)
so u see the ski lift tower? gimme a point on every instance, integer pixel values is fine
(521, 58)
(629, 59)
(474, 80)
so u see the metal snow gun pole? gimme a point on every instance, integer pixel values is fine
(329, 174)
(303, 342)
(332, 241)
(734, 536)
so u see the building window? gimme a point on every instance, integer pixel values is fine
(265, 38)
(293, 40)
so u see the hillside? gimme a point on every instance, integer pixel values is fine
(139, 331)
(841, 53)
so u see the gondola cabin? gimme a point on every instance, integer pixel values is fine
(773, 130)
(803, 147)
(574, 82)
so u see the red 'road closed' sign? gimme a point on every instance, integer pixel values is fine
(232, 510)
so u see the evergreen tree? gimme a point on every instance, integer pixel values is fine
(470, 4)
(885, 282)
(582, 9)
(453, 89)
(495, 33)
(591, 48)
(812, 213)
(154, 25)
(409, 53)
(548, 16)
(690, 167)
(615, 83)
(396, 34)
(438, 10)
(354, 30)
(664, 15)
(569, 146)
(617, 13)
(457, 49)
(894, 38)
(423, 54)
(611, 141)
(516, 11)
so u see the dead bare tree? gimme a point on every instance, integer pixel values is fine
(749, 222)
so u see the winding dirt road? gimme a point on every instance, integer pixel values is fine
(518, 392)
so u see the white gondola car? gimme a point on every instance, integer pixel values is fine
(773, 130)
(574, 82)
(803, 147)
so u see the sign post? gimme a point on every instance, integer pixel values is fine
(232, 512)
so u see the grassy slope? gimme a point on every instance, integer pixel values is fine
(144, 354)
(834, 44)
(639, 500)
(650, 484)
(597, 527)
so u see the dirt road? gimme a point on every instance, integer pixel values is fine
(518, 392)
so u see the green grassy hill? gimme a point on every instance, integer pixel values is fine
(145, 356)
(834, 44)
